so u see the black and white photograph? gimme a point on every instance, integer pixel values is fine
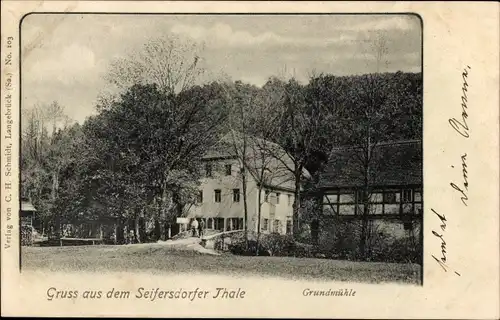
(284, 146)
(237, 159)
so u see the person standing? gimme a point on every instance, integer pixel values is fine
(194, 227)
(202, 227)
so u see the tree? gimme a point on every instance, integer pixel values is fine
(301, 129)
(371, 125)
(240, 100)
(267, 172)
(43, 140)
(173, 64)
(148, 147)
(366, 131)
(263, 128)
(255, 115)
(379, 108)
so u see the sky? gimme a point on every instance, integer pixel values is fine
(65, 57)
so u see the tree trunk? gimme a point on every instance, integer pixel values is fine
(143, 235)
(54, 188)
(259, 213)
(245, 207)
(157, 229)
(366, 196)
(137, 237)
(296, 206)
(315, 223)
(364, 227)
(119, 232)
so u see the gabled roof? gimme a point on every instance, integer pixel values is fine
(393, 164)
(231, 144)
(260, 154)
(27, 206)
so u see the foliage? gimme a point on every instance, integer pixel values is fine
(139, 156)
(341, 241)
(169, 62)
(149, 145)
(273, 244)
(47, 142)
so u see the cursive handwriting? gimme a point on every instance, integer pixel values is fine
(461, 126)
(465, 182)
(443, 260)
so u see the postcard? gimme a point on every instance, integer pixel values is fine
(250, 159)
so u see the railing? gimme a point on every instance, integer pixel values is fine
(219, 241)
(224, 233)
(77, 241)
(188, 233)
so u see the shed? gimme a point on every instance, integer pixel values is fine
(26, 217)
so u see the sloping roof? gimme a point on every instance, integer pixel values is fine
(27, 206)
(393, 164)
(231, 144)
(260, 154)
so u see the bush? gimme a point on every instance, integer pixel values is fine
(240, 248)
(341, 241)
(269, 244)
(304, 235)
(278, 245)
(401, 250)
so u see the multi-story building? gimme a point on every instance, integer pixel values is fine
(265, 167)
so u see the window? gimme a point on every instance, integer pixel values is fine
(376, 197)
(347, 198)
(278, 197)
(276, 226)
(266, 199)
(200, 196)
(360, 196)
(208, 169)
(347, 209)
(330, 199)
(217, 195)
(219, 223)
(407, 207)
(418, 208)
(407, 195)
(378, 209)
(265, 224)
(228, 169)
(288, 225)
(418, 196)
(390, 197)
(289, 199)
(236, 195)
(329, 210)
(236, 223)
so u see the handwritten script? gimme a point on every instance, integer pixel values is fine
(462, 128)
(442, 261)
(461, 189)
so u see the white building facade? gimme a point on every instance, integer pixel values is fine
(221, 196)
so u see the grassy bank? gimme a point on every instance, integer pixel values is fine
(158, 258)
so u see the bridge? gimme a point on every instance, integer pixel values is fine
(212, 239)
